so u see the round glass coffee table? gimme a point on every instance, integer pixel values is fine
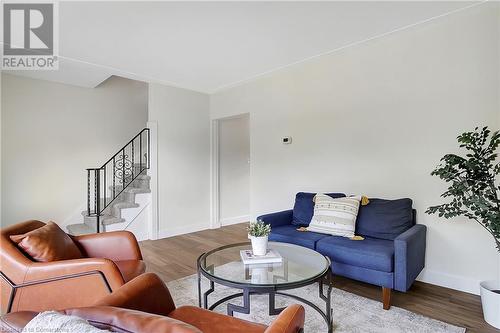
(300, 267)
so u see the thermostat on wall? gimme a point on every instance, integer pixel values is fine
(286, 140)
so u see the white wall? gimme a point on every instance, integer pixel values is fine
(498, 57)
(51, 132)
(1, 149)
(234, 169)
(498, 96)
(375, 119)
(182, 118)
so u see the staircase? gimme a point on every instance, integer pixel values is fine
(118, 191)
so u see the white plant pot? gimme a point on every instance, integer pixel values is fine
(491, 302)
(259, 245)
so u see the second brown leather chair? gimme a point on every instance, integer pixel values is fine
(110, 260)
(144, 305)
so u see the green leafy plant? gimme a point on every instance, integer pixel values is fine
(259, 229)
(473, 188)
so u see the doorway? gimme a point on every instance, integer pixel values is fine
(232, 167)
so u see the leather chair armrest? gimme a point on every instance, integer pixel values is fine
(115, 245)
(409, 256)
(15, 321)
(291, 320)
(118, 319)
(64, 269)
(277, 219)
(147, 293)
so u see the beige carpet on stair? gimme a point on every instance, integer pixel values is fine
(351, 313)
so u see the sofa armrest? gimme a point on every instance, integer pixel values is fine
(277, 219)
(72, 269)
(125, 320)
(115, 245)
(147, 293)
(291, 320)
(15, 321)
(409, 256)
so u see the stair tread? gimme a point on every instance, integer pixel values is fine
(137, 190)
(130, 189)
(111, 220)
(124, 204)
(143, 164)
(104, 216)
(84, 213)
(118, 188)
(80, 229)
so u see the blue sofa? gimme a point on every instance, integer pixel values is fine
(391, 255)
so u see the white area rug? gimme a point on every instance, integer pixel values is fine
(351, 313)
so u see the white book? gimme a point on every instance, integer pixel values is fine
(249, 258)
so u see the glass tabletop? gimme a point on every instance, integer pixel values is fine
(299, 264)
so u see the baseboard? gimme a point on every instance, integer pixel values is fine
(456, 282)
(182, 230)
(234, 220)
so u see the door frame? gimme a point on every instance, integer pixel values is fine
(154, 226)
(215, 221)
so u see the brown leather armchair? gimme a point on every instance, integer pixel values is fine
(145, 305)
(111, 259)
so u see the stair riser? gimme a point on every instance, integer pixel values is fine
(115, 211)
(138, 183)
(128, 177)
(105, 220)
(90, 222)
(129, 197)
(124, 196)
(142, 183)
(76, 229)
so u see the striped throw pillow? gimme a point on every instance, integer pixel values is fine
(335, 217)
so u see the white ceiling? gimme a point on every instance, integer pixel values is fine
(207, 46)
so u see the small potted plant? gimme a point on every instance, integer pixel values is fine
(258, 233)
(475, 194)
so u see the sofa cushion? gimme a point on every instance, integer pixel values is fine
(385, 219)
(47, 243)
(289, 234)
(371, 253)
(304, 207)
(53, 321)
(335, 217)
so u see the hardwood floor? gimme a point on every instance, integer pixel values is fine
(175, 257)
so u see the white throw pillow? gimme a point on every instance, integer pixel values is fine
(335, 217)
(52, 321)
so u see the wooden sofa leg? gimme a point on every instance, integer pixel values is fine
(386, 297)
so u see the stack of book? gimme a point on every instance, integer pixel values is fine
(249, 258)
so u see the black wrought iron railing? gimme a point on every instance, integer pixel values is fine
(105, 184)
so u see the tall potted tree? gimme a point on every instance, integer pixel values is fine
(474, 193)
